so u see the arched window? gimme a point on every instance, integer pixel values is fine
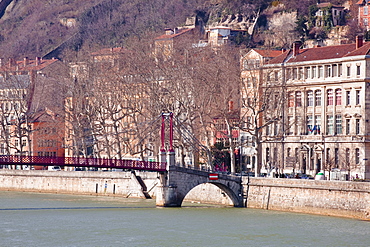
(291, 100)
(318, 97)
(310, 98)
(338, 96)
(298, 99)
(357, 155)
(330, 97)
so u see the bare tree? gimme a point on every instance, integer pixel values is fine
(263, 99)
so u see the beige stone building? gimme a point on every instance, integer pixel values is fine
(324, 123)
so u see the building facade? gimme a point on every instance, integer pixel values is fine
(324, 122)
(31, 107)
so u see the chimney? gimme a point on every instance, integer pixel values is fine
(296, 46)
(231, 106)
(12, 62)
(359, 41)
(26, 61)
(37, 61)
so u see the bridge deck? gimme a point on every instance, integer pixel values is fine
(82, 162)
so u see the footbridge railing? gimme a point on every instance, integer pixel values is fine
(82, 162)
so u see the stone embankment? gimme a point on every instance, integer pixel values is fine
(334, 198)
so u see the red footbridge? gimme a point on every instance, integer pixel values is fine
(82, 162)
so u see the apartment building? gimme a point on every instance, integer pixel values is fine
(363, 13)
(31, 102)
(324, 122)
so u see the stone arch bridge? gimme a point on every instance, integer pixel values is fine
(177, 181)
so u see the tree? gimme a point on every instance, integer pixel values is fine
(263, 98)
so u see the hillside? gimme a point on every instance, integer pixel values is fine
(37, 27)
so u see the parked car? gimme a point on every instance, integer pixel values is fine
(55, 168)
(304, 176)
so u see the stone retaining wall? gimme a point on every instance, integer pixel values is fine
(77, 182)
(335, 198)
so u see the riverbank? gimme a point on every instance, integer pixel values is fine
(334, 198)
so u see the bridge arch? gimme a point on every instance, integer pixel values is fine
(177, 182)
(212, 192)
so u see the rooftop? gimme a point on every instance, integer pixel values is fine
(321, 53)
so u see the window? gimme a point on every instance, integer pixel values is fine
(335, 70)
(313, 74)
(24, 142)
(347, 164)
(317, 126)
(330, 97)
(307, 72)
(321, 72)
(275, 129)
(336, 157)
(340, 70)
(318, 98)
(298, 99)
(348, 70)
(291, 100)
(300, 74)
(338, 124)
(358, 97)
(267, 154)
(310, 127)
(290, 124)
(327, 71)
(338, 96)
(310, 98)
(366, 22)
(276, 76)
(275, 154)
(358, 70)
(16, 142)
(348, 126)
(330, 127)
(289, 74)
(366, 10)
(348, 97)
(357, 155)
(268, 77)
(357, 126)
(295, 73)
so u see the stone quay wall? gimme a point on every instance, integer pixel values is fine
(78, 182)
(334, 198)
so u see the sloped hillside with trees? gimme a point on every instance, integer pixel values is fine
(59, 27)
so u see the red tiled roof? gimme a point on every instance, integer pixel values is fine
(360, 2)
(171, 36)
(268, 53)
(320, 53)
(30, 65)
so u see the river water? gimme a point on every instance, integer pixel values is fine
(34, 219)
